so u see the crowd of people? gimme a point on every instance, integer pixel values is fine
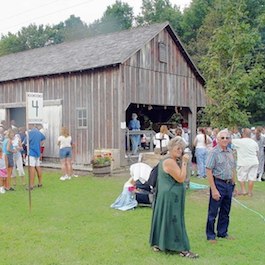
(248, 149)
(14, 155)
(139, 141)
(225, 157)
(222, 156)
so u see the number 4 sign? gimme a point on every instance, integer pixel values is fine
(34, 106)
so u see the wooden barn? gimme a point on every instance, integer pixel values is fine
(93, 85)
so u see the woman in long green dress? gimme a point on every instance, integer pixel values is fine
(168, 231)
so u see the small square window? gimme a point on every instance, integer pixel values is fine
(81, 118)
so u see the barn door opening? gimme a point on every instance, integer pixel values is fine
(18, 115)
(151, 117)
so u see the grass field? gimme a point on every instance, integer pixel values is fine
(71, 223)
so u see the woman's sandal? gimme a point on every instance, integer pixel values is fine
(156, 249)
(188, 254)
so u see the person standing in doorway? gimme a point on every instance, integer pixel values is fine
(35, 140)
(221, 173)
(134, 125)
(161, 140)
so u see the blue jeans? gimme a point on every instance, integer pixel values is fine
(135, 139)
(201, 155)
(65, 152)
(220, 208)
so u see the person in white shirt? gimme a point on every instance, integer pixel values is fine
(65, 154)
(260, 139)
(247, 161)
(201, 143)
(18, 161)
(161, 140)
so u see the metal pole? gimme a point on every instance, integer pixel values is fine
(27, 127)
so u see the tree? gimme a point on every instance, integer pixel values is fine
(157, 11)
(10, 44)
(257, 19)
(34, 36)
(229, 67)
(193, 19)
(73, 29)
(117, 17)
(197, 46)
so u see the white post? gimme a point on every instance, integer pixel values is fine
(34, 113)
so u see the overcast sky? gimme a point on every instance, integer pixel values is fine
(15, 14)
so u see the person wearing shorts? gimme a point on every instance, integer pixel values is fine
(247, 161)
(65, 154)
(8, 151)
(35, 140)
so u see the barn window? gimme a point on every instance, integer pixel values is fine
(82, 118)
(162, 52)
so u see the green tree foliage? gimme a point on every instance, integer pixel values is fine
(117, 17)
(73, 29)
(225, 38)
(10, 44)
(30, 37)
(257, 20)
(156, 11)
(197, 46)
(230, 68)
(34, 36)
(193, 19)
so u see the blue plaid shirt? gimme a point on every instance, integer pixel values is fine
(221, 162)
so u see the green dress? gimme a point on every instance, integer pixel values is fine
(168, 231)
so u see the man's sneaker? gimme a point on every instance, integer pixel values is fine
(74, 176)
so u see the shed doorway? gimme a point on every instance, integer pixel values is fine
(151, 117)
(18, 115)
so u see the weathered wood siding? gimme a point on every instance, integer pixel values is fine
(106, 93)
(148, 81)
(96, 90)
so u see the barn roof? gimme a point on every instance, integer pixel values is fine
(89, 53)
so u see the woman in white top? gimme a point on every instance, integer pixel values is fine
(65, 154)
(161, 140)
(260, 139)
(201, 141)
(18, 161)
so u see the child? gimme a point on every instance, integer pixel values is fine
(3, 172)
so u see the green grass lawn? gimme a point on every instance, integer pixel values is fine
(71, 223)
